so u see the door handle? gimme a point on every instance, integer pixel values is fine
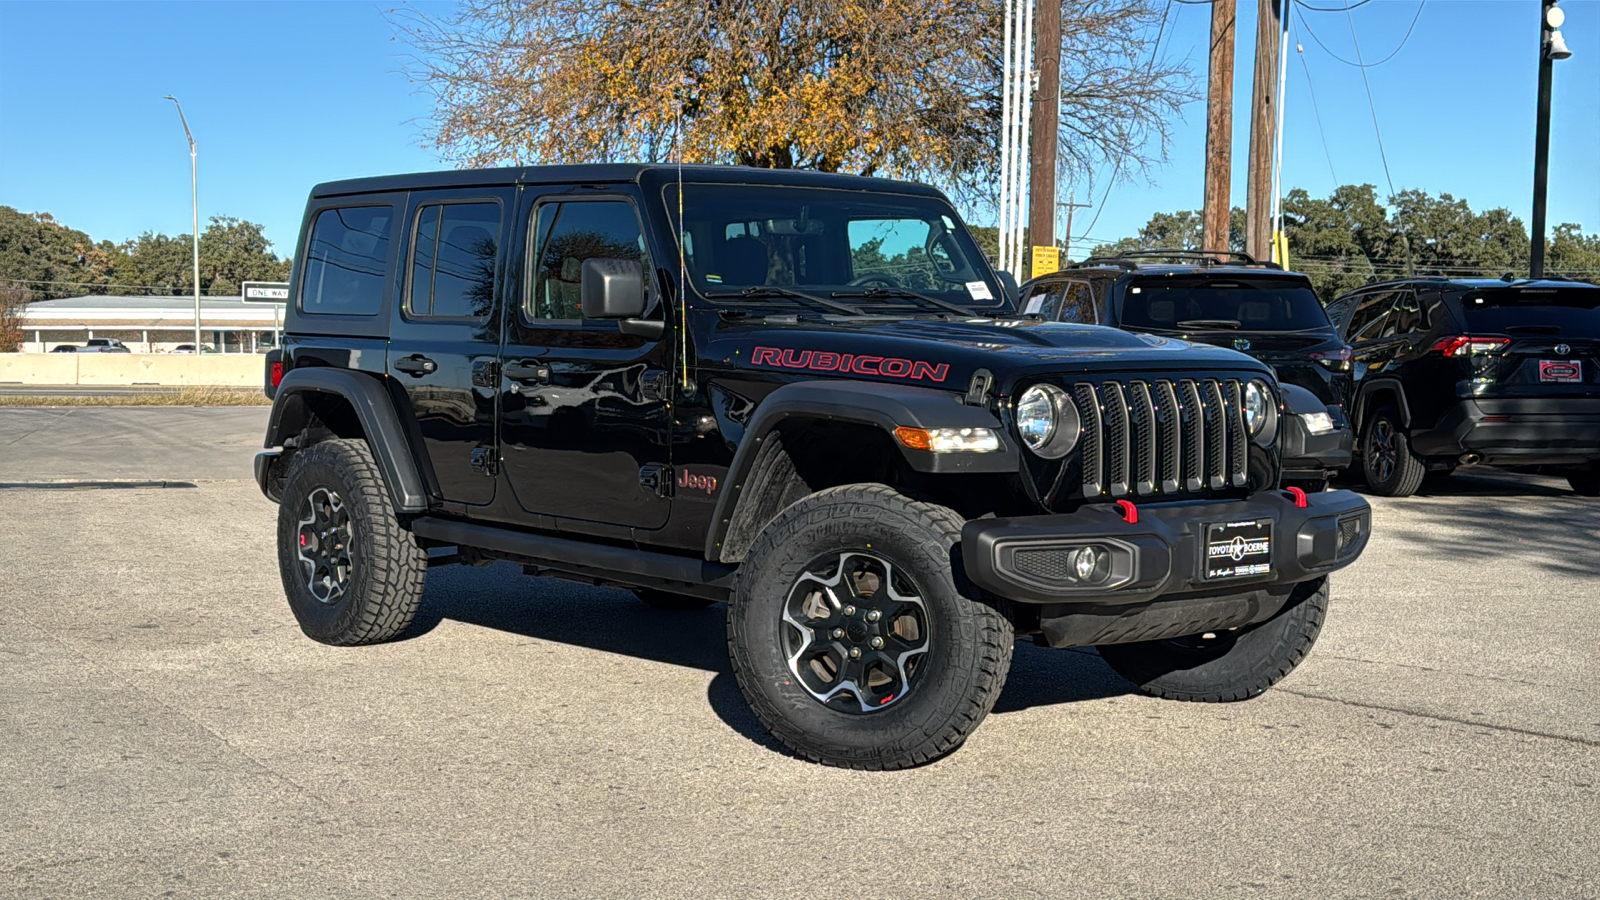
(527, 372)
(416, 366)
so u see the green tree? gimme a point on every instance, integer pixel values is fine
(231, 251)
(50, 260)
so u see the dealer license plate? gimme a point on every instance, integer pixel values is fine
(1238, 549)
(1560, 370)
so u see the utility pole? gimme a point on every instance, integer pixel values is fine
(1263, 125)
(194, 194)
(1551, 47)
(1071, 204)
(1046, 130)
(1219, 128)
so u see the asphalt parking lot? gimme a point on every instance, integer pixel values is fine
(168, 731)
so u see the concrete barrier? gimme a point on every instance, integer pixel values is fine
(217, 370)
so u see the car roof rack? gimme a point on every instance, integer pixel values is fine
(1131, 259)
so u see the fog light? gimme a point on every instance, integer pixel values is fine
(1317, 423)
(1092, 564)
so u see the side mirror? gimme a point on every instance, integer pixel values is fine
(612, 289)
(1009, 282)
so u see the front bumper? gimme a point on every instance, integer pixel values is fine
(1159, 587)
(1517, 431)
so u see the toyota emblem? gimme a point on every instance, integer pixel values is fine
(1563, 349)
(1241, 344)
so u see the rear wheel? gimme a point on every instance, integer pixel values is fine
(850, 638)
(1387, 461)
(1586, 483)
(1227, 665)
(352, 574)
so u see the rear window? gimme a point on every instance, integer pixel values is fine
(1574, 310)
(347, 261)
(1245, 304)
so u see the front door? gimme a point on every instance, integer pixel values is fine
(444, 340)
(585, 419)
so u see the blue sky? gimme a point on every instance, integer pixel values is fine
(282, 95)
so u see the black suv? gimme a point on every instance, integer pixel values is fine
(1455, 372)
(1229, 300)
(806, 395)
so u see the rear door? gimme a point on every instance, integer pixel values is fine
(444, 341)
(1371, 331)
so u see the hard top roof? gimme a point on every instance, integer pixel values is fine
(645, 175)
(1477, 283)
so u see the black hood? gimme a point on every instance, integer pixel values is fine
(941, 352)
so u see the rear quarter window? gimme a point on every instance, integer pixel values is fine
(347, 261)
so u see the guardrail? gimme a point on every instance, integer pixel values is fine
(214, 370)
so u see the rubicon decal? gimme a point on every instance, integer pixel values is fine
(828, 361)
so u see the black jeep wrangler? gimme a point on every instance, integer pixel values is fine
(806, 395)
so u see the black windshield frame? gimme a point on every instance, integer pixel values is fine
(1222, 297)
(806, 234)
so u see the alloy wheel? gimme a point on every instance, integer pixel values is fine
(1383, 450)
(325, 536)
(855, 631)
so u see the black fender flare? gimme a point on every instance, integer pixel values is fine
(1376, 386)
(886, 406)
(373, 409)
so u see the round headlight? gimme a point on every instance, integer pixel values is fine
(1047, 421)
(1258, 409)
(1036, 417)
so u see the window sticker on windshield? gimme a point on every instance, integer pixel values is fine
(1035, 303)
(977, 290)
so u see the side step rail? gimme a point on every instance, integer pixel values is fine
(641, 568)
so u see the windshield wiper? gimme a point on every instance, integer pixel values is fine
(875, 293)
(1210, 323)
(776, 291)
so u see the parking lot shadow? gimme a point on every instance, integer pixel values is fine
(613, 621)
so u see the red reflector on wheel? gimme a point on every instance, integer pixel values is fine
(302, 540)
(885, 700)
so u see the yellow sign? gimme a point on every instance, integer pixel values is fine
(1046, 260)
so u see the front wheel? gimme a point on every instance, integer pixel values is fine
(850, 638)
(1229, 665)
(352, 574)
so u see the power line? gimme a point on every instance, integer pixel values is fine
(1358, 63)
(1373, 108)
(1333, 8)
(1315, 111)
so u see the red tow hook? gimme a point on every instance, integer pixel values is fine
(1298, 495)
(1130, 513)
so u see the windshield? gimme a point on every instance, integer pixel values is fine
(1243, 304)
(873, 252)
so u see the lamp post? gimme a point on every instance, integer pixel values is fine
(194, 193)
(1551, 47)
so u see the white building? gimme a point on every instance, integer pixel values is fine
(152, 324)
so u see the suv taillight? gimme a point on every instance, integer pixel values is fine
(277, 372)
(1337, 360)
(1467, 344)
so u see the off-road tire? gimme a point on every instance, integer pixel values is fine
(1385, 438)
(1236, 665)
(387, 568)
(969, 640)
(1586, 483)
(668, 600)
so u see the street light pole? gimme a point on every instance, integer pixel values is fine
(1551, 47)
(194, 242)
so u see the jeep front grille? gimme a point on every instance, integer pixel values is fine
(1161, 437)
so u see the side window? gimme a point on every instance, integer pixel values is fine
(1077, 305)
(347, 261)
(1043, 299)
(1407, 317)
(568, 233)
(1371, 316)
(453, 258)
